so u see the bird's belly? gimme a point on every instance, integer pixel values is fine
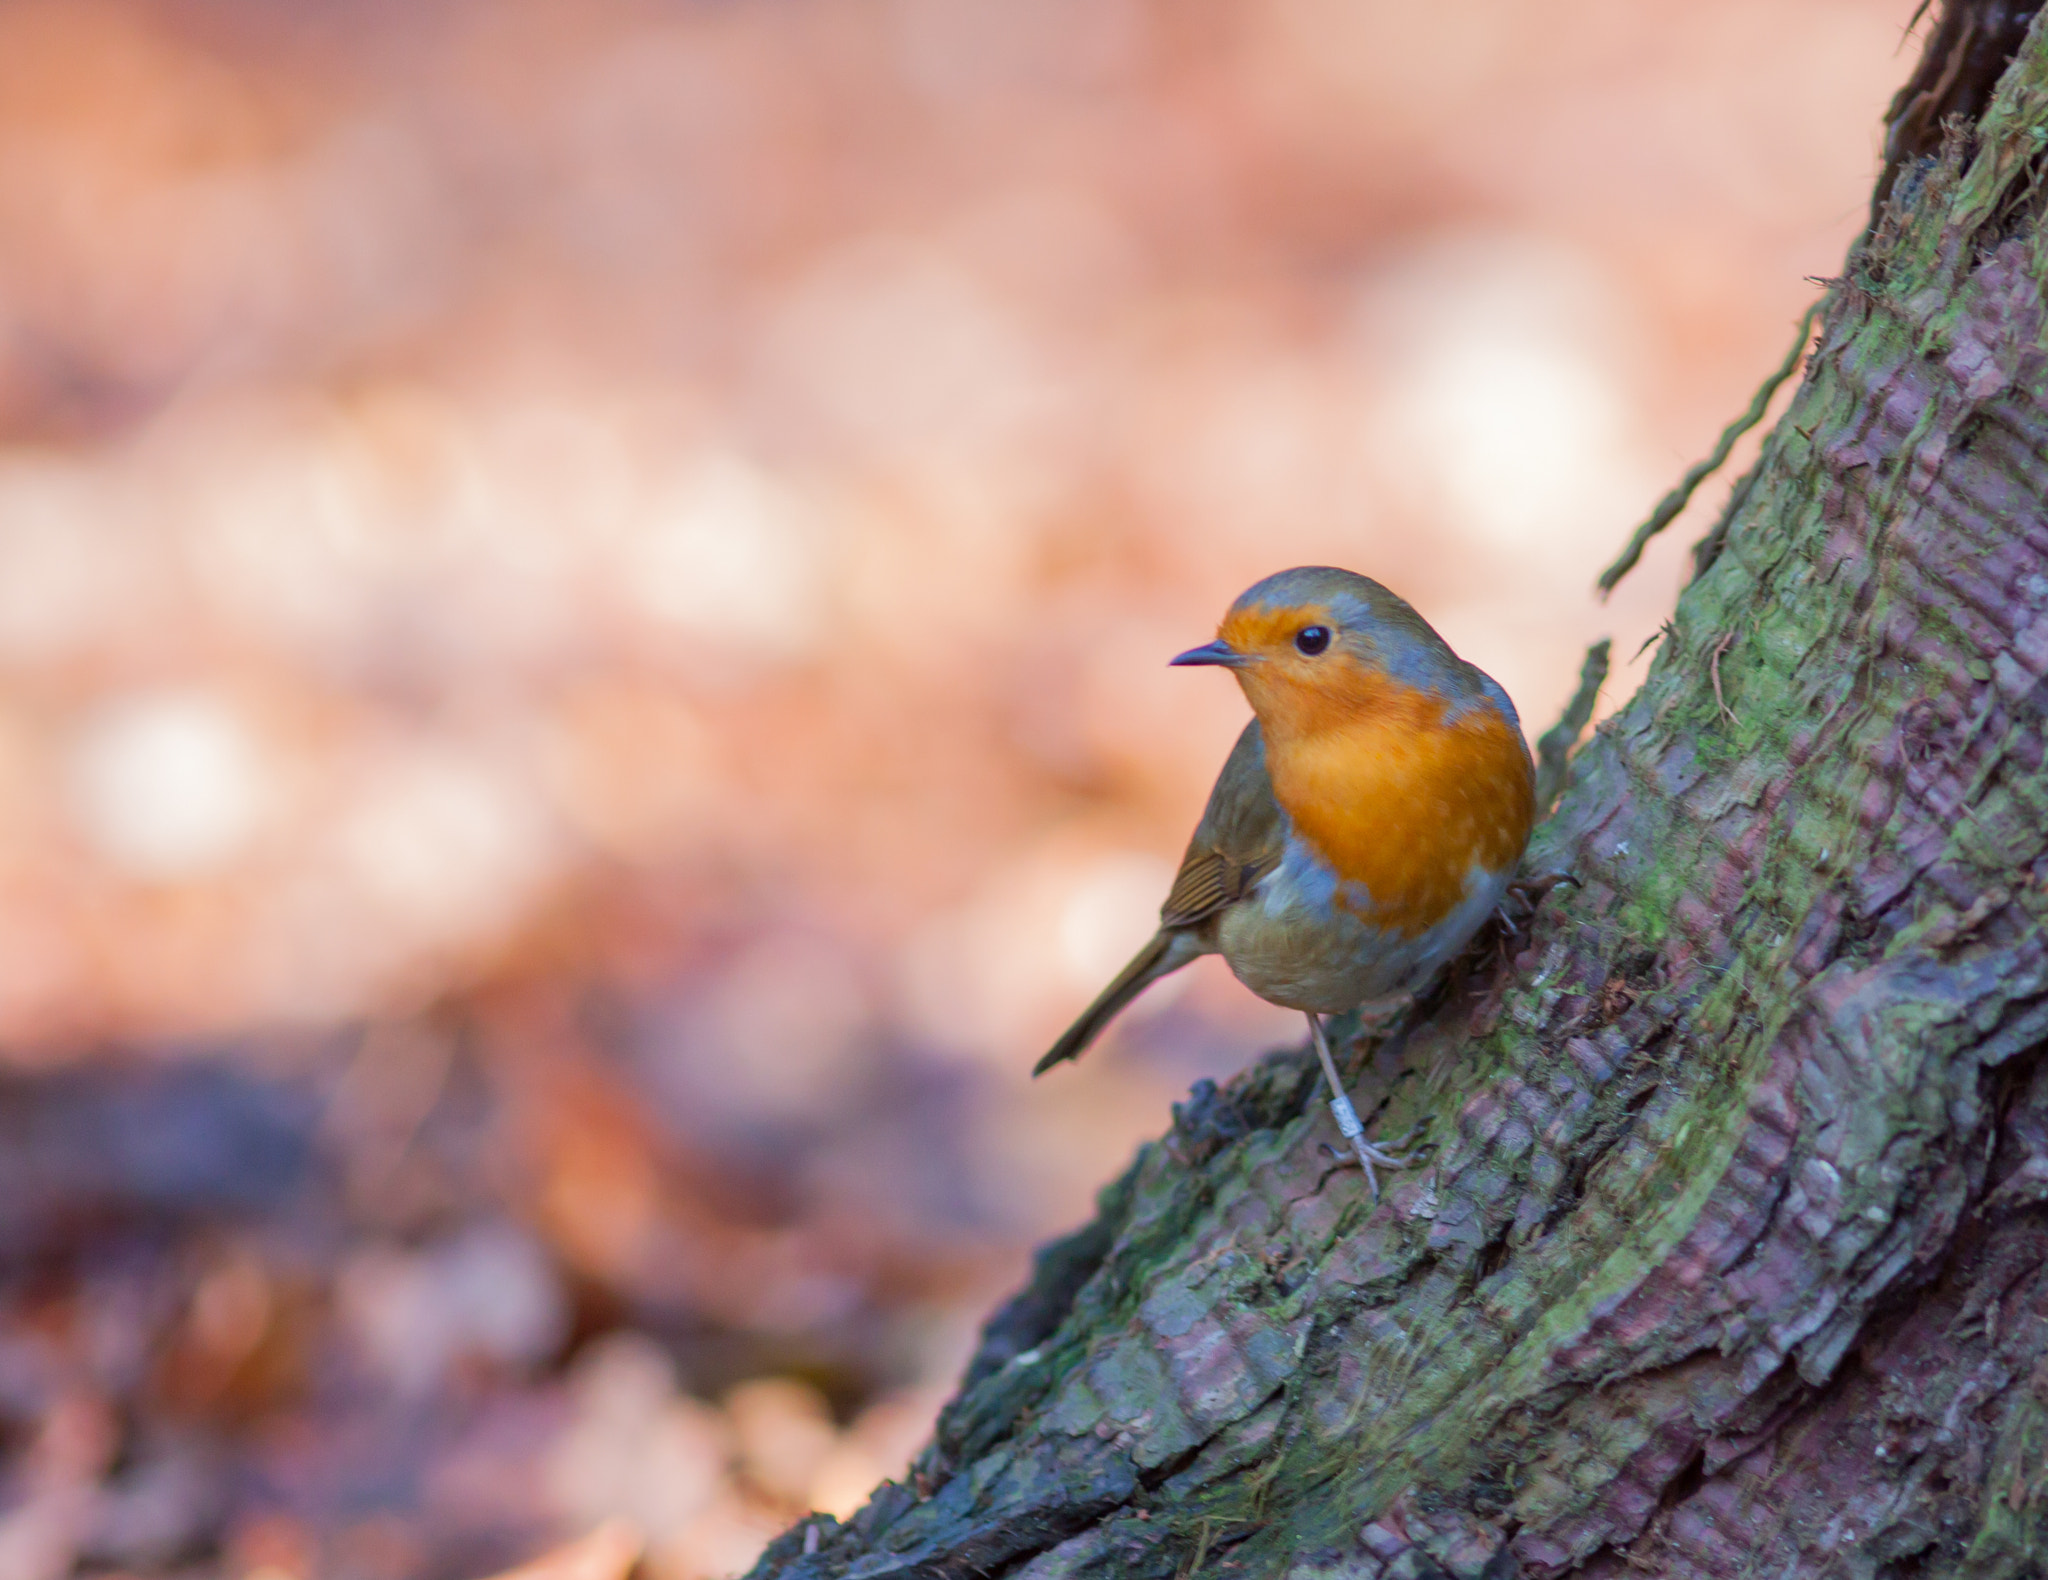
(1292, 943)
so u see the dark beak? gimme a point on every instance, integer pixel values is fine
(1213, 653)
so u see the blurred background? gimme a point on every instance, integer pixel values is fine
(584, 591)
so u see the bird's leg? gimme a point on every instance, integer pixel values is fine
(1348, 1122)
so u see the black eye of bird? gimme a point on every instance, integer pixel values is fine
(1312, 639)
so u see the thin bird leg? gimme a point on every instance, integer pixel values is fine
(1347, 1117)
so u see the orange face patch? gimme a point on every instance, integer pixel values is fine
(1265, 628)
(1293, 691)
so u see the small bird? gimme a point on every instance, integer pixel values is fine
(1366, 823)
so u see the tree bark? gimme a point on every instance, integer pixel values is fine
(1732, 1255)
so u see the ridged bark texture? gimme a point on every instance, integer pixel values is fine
(1732, 1259)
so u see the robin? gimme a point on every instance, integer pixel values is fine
(1366, 823)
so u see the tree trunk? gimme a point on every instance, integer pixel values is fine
(1731, 1258)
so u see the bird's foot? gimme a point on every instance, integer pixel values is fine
(1348, 1122)
(1366, 1152)
(1531, 891)
(1528, 894)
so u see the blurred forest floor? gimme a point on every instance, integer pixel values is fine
(583, 599)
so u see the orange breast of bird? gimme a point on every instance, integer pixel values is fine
(1398, 794)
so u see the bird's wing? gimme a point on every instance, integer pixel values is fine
(1238, 841)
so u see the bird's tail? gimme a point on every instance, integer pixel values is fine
(1167, 952)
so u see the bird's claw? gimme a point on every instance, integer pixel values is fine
(1532, 891)
(1367, 1153)
(1348, 1123)
(1529, 894)
(1409, 1138)
(1365, 1156)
